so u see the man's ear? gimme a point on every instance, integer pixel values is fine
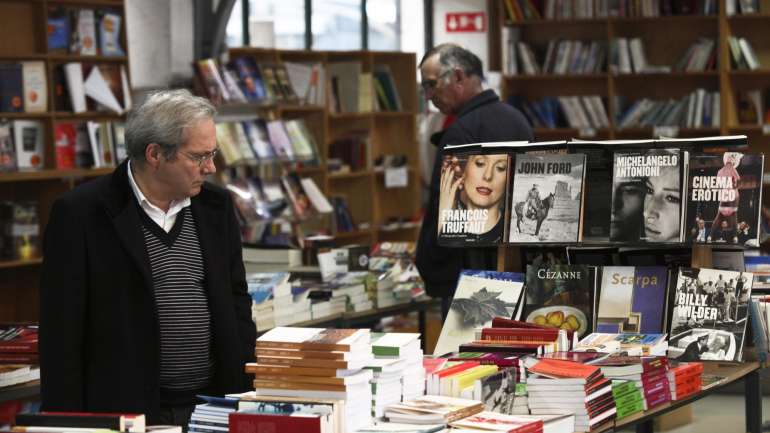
(459, 75)
(152, 155)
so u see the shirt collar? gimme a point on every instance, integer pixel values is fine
(142, 199)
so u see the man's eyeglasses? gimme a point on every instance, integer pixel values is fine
(431, 84)
(201, 159)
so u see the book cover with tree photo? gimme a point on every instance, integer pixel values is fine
(480, 297)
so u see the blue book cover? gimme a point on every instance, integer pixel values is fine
(632, 299)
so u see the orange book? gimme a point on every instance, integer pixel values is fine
(557, 368)
(271, 384)
(283, 370)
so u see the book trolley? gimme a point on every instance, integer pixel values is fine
(510, 259)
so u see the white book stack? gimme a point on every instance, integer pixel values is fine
(386, 384)
(352, 285)
(290, 308)
(406, 348)
(317, 363)
(335, 305)
(261, 287)
(209, 417)
(385, 296)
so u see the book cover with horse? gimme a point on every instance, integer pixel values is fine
(547, 198)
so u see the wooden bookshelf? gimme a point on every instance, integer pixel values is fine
(665, 38)
(23, 37)
(388, 133)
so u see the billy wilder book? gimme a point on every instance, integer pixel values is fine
(647, 196)
(561, 296)
(472, 198)
(547, 198)
(710, 312)
(724, 198)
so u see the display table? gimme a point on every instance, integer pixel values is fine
(748, 372)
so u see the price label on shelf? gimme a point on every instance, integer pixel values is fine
(766, 129)
(397, 177)
(665, 131)
(587, 132)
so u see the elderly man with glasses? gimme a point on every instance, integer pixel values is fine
(452, 79)
(143, 300)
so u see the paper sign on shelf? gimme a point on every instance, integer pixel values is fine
(397, 177)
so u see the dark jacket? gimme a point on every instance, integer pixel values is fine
(99, 336)
(483, 119)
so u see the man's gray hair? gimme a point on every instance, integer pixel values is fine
(164, 118)
(451, 56)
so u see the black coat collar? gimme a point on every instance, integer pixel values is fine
(486, 97)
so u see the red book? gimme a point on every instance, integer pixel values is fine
(65, 137)
(240, 422)
(520, 334)
(566, 369)
(19, 358)
(501, 322)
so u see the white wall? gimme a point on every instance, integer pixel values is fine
(475, 42)
(160, 41)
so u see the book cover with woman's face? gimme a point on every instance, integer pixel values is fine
(472, 199)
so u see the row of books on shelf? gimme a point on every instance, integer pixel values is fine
(19, 230)
(85, 31)
(349, 279)
(256, 140)
(620, 56)
(753, 107)
(351, 89)
(517, 11)
(698, 109)
(632, 191)
(742, 54)
(564, 111)
(78, 87)
(89, 144)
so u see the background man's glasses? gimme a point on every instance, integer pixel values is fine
(431, 84)
(201, 159)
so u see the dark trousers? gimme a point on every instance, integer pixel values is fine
(175, 415)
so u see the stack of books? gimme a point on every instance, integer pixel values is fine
(648, 373)
(433, 409)
(404, 347)
(352, 285)
(261, 287)
(317, 362)
(628, 398)
(18, 344)
(289, 414)
(386, 384)
(212, 416)
(291, 305)
(685, 379)
(493, 421)
(629, 344)
(570, 387)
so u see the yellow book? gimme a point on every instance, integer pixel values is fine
(468, 377)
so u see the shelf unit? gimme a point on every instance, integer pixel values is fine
(23, 36)
(389, 133)
(666, 39)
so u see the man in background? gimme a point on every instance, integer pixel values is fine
(143, 300)
(452, 78)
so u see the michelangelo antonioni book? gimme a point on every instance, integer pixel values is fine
(472, 196)
(647, 196)
(547, 198)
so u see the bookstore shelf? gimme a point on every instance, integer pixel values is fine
(764, 73)
(748, 17)
(113, 3)
(556, 77)
(351, 175)
(88, 59)
(393, 114)
(12, 115)
(353, 233)
(348, 116)
(20, 263)
(21, 176)
(29, 56)
(87, 115)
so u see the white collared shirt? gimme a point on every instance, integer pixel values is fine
(165, 220)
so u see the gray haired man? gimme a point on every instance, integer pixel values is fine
(143, 301)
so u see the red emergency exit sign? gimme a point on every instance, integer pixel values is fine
(466, 22)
